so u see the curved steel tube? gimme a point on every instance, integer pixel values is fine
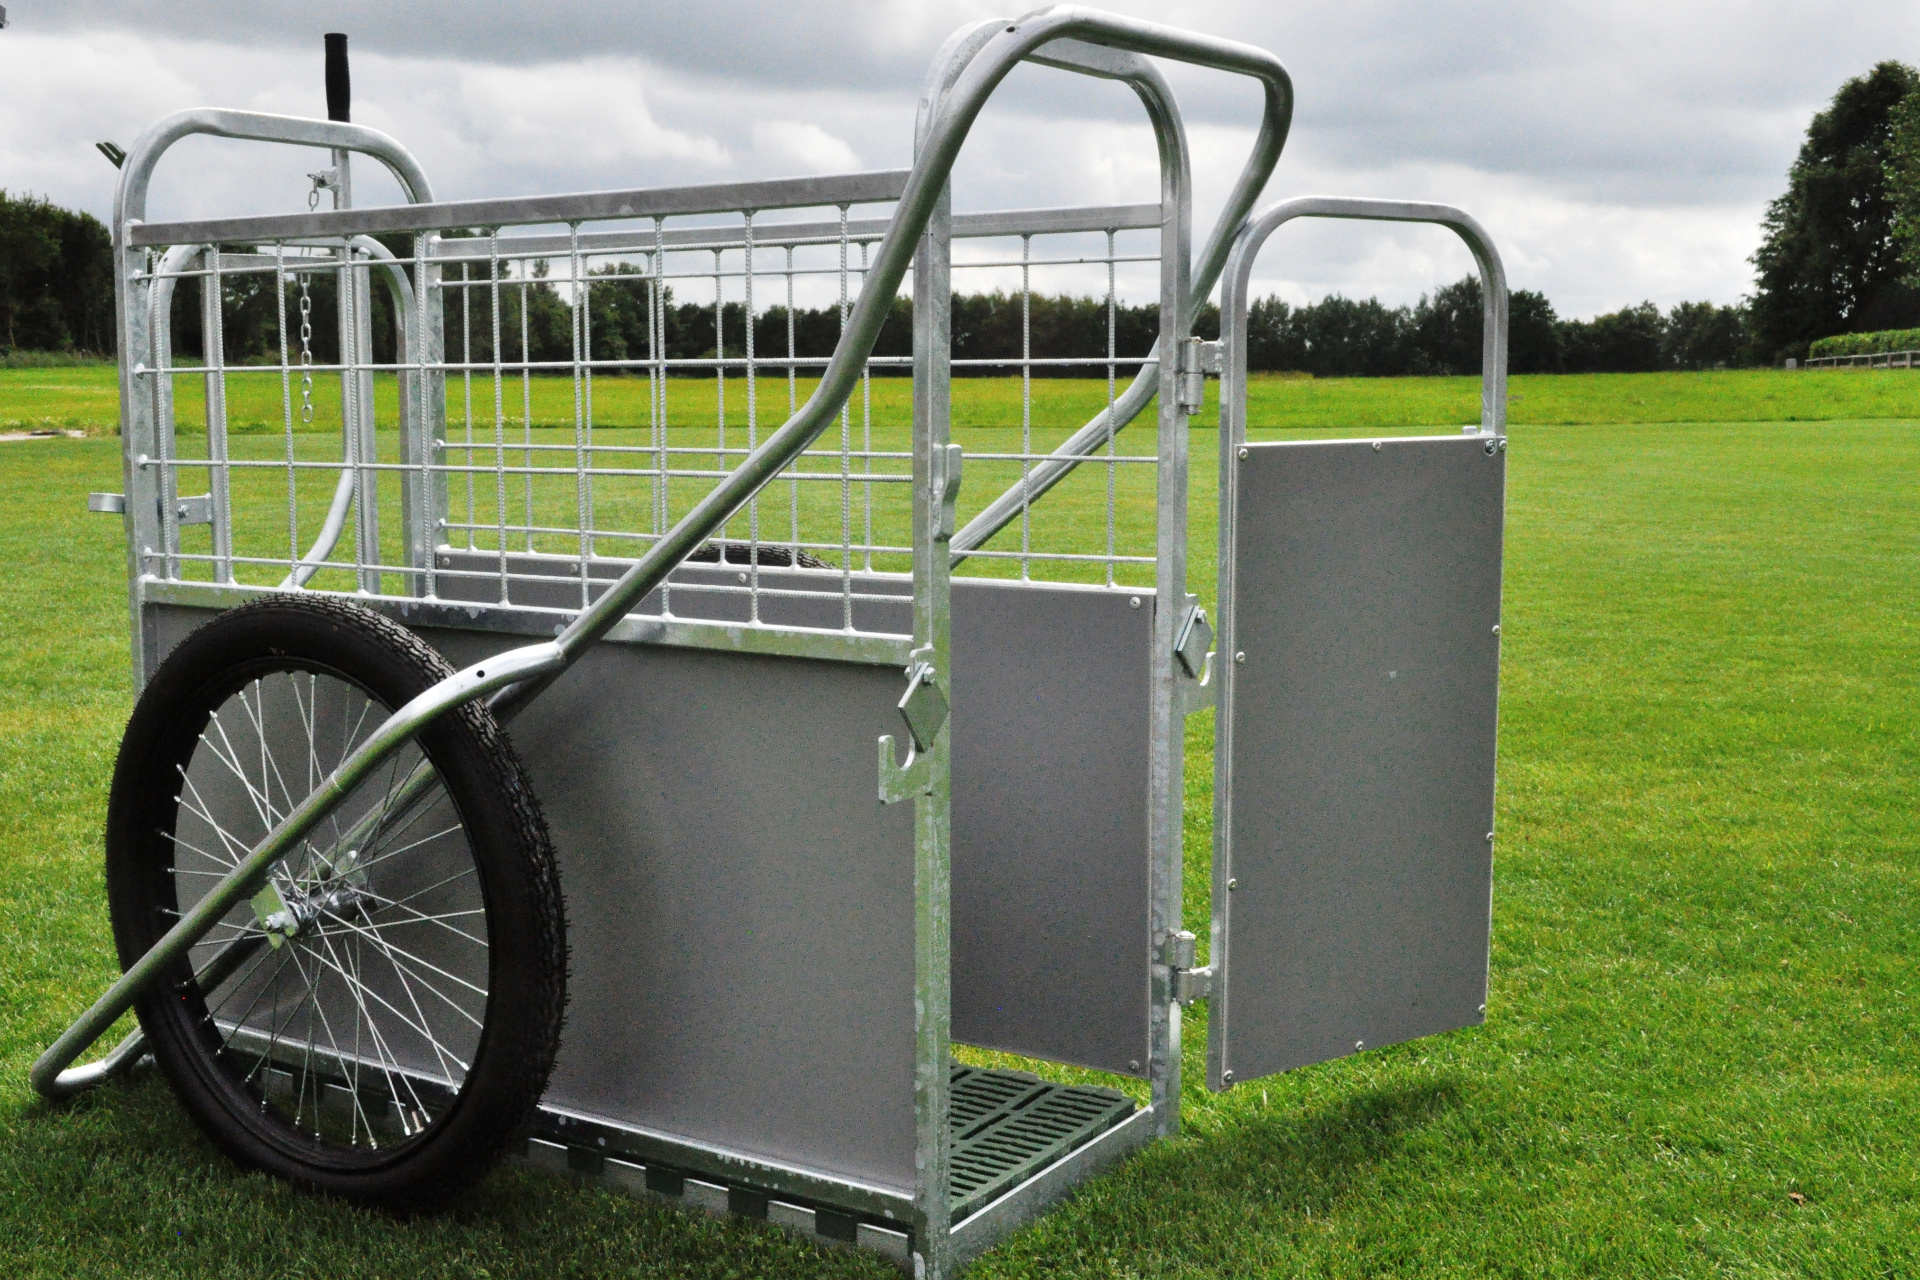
(1247, 246)
(130, 203)
(519, 674)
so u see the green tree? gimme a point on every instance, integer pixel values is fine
(1827, 263)
(1903, 183)
(56, 278)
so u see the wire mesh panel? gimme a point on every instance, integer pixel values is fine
(1047, 338)
(503, 415)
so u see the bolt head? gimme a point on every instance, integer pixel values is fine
(1226, 1077)
(1231, 885)
(1134, 603)
(1496, 628)
(1489, 837)
(1243, 455)
(1376, 446)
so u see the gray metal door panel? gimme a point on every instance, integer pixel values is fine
(1352, 879)
(1050, 769)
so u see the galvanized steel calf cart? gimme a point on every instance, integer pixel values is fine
(336, 889)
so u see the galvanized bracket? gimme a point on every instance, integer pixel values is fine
(195, 510)
(1198, 358)
(924, 708)
(108, 504)
(1193, 658)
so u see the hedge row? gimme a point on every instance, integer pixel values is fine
(1866, 344)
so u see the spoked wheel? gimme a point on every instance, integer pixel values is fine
(380, 1022)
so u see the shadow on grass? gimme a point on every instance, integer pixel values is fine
(1238, 1171)
(120, 1182)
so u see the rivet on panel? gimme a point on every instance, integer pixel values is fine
(1240, 657)
(1231, 885)
(1496, 628)
(1243, 455)
(1134, 603)
(1376, 446)
(1489, 837)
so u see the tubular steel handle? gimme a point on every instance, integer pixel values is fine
(1239, 271)
(520, 674)
(1276, 119)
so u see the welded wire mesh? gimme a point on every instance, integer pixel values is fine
(508, 416)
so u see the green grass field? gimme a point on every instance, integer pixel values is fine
(1700, 1052)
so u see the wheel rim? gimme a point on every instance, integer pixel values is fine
(348, 1002)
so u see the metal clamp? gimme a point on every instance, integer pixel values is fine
(109, 504)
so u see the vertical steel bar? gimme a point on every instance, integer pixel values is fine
(753, 425)
(720, 377)
(281, 281)
(526, 407)
(1026, 407)
(499, 408)
(1112, 429)
(213, 329)
(932, 812)
(575, 310)
(793, 405)
(846, 462)
(466, 382)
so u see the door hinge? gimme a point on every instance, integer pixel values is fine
(1198, 358)
(1189, 983)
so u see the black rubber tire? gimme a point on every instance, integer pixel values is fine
(441, 1150)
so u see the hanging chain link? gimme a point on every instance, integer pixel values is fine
(306, 353)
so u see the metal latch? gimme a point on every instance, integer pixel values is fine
(1198, 358)
(111, 504)
(1194, 642)
(195, 510)
(924, 709)
(945, 486)
(1189, 983)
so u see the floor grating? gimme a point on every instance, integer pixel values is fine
(1008, 1125)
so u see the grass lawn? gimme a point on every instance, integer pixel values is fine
(1699, 1058)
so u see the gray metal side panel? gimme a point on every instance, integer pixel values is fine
(1366, 592)
(1051, 952)
(1050, 948)
(740, 905)
(731, 876)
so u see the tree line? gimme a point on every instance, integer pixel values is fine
(1840, 254)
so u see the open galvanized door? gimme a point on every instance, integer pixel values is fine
(1355, 759)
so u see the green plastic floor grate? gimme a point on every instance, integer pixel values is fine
(1008, 1125)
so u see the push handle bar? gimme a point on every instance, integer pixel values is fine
(519, 674)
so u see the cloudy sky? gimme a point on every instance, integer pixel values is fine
(1618, 151)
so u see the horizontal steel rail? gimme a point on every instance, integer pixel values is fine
(966, 226)
(880, 186)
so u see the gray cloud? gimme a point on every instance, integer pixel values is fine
(1619, 150)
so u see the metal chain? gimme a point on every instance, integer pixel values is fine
(306, 353)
